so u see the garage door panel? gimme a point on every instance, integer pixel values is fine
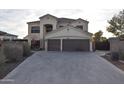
(75, 45)
(54, 45)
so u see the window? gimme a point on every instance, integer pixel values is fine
(35, 29)
(35, 44)
(61, 26)
(48, 27)
(79, 26)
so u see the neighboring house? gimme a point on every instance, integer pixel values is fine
(60, 34)
(7, 36)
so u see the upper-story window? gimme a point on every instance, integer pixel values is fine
(61, 26)
(35, 29)
(79, 26)
(48, 27)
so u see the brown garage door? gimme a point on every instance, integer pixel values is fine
(75, 45)
(54, 45)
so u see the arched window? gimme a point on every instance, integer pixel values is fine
(48, 27)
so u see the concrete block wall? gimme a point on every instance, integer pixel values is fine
(117, 46)
(2, 56)
(121, 46)
(114, 44)
(14, 50)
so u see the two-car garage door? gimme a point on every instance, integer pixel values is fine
(68, 45)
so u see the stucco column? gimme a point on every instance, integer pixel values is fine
(91, 47)
(46, 47)
(61, 44)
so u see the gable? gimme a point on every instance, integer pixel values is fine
(48, 19)
(47, 16)
(68, 32)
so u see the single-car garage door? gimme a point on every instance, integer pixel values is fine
(54, 45)
(75, 45)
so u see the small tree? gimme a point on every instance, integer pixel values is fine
(103, 39)
(116, 24)
(100, 42)
(97, 35)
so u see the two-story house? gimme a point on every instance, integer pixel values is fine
(60, 34)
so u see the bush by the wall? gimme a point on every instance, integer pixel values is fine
(2, 57)
(13, 51)
(26, 49)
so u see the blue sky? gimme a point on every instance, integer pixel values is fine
(14, 20)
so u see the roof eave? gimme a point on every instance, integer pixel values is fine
(33, 22)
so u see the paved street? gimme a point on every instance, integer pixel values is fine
(65, 68)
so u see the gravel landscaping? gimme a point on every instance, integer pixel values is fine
(7, 67)
(117, 63)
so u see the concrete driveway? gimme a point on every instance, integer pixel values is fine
(65, 68)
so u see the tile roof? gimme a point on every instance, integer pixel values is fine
(6, 34)
(65, 20)
(48, 15)
(33, 22)
(60, 20)
(59, 29)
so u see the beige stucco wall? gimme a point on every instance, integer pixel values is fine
(62, 24)
(33, 35)
(75, 23)
(116, 45)
(46, 20)
(69, 33)
(81, 22)
(41, 23)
